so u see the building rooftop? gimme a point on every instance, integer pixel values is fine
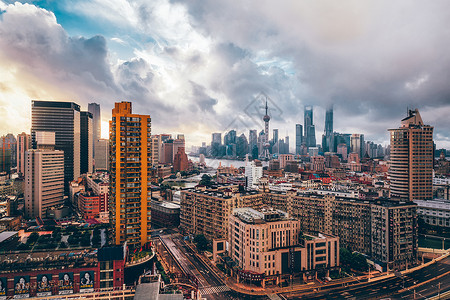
(253, 216)
(436, 203)
(6, 235)
(166, 204)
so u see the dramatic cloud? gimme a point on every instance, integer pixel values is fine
(195, 66)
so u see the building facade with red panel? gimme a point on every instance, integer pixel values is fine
(89, 205)
(62, 273)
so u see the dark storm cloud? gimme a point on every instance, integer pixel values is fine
(212, 58)
(371, 60)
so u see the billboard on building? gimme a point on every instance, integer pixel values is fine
(21, 287)
(43, 287)
(66, 283)
(86, 281)
(3, 287)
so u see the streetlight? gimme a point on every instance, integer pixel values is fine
(439, 290)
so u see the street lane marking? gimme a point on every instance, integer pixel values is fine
(214, 290)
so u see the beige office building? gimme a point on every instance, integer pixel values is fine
(44, 176)
(268, 247)
(411, 163)
(101, 160)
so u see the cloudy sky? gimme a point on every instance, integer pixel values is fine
(197, 66)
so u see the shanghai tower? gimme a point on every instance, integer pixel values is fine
(327, 142)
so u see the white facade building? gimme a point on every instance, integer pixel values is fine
(253, 173)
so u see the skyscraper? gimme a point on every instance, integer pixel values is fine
(216, 138)
(411, 164)
(8, 153)
(94, 109)
(275, 136)
(310, 130)
(253, 143)
(23, 144)
(63, 118)
(275, 142)
(357, 144)
(102, 156)
(298, 138)
(130, 164)
(241, 146)
(329, 120)
(252, 138)
(230, 137)
(216, 142)
(44, 176)
(286, 145)
(327, 142)
(86, 143)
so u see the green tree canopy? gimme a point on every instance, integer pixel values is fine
(201, 242)
(206, 180)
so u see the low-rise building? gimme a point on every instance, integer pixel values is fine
(99, 183)
(89, 205)
(43, 274)
(10, 223)
(434, 212)
(165, 214)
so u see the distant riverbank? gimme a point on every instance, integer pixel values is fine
(214, 163)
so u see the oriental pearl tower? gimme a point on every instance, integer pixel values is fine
(266, 144)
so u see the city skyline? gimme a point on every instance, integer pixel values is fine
(186, 67)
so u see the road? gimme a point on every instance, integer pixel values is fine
(393, 287)
(211, 286)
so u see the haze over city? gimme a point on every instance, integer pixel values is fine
(195, 65)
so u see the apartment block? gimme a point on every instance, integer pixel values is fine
(206, 210)
(394, 234)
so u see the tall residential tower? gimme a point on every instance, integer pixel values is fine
(130, 164)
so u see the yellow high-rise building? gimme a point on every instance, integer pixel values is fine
(130, 164)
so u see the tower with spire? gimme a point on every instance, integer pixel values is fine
(266, 144)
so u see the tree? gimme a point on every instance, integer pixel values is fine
(346, 256)
(201, 242)
(355, 260)
(33, 238)
(206, 180)
(359, 262)
(23, 247)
